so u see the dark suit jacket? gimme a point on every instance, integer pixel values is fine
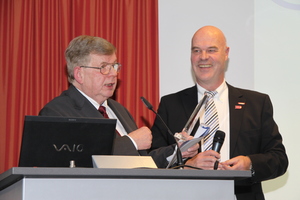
(253, 132)
(71, 103)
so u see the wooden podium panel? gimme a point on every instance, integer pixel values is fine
(89, 184)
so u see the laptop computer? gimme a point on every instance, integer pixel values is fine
(61, 141)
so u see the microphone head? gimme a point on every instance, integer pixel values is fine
(219, 137)
(148, 105)
(218, 141)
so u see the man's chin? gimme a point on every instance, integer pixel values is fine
(110, 94)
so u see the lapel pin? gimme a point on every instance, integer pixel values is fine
(238, 107)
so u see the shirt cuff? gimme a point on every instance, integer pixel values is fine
(132, 142)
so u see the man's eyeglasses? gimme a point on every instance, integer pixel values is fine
(105, 68)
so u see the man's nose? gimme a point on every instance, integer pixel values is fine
(203, 55)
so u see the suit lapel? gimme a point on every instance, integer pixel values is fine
(122, 114)
(125, 119)
(82, 104)
(237, 104)
(189, 100)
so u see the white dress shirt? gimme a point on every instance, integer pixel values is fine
(222, 105)
(120, 128)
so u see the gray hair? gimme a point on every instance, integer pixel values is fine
(79, 50)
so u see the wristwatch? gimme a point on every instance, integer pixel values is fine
(252, 170)
(251, 167)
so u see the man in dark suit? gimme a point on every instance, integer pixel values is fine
(92, 72)
(252, 141)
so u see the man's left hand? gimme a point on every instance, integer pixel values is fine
(237, 163)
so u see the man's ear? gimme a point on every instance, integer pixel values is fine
(227, 52)
(78, 74)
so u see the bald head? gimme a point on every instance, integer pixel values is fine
(210, 32)
(209, 54)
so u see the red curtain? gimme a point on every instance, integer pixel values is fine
(34, 36)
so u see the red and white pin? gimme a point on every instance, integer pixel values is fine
(240, 105)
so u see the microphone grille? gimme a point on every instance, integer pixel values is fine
(219, 136)
(148, 105)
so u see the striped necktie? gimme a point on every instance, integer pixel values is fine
(210, 119)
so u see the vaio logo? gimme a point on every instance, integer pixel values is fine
(71, 148)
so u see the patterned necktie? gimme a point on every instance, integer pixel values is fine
(210, 119)
(102, 110)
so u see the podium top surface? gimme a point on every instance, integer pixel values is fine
(17, 173)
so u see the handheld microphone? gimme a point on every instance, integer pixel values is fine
(178, 152)
(218, 141)
(217, 144)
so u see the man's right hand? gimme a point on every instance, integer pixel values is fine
(142, 137)
(192, 151)
(204, 160)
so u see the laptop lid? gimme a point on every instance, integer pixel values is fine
(58, 141)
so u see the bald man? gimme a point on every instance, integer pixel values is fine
(252, 141)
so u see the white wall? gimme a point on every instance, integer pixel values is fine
(277, 69)
(264, 37)
(178, 20)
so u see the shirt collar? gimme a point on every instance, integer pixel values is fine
(220, 90)
(95, 104)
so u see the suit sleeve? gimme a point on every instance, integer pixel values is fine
(172, 112)
(46, 111)
(123, 146)
(163, 144)
(271, 161)
(160, 134)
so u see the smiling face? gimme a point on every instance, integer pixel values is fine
(209, 54)
(94, 84)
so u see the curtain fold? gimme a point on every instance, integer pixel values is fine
(34, 36)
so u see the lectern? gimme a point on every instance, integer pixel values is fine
(93, 184)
